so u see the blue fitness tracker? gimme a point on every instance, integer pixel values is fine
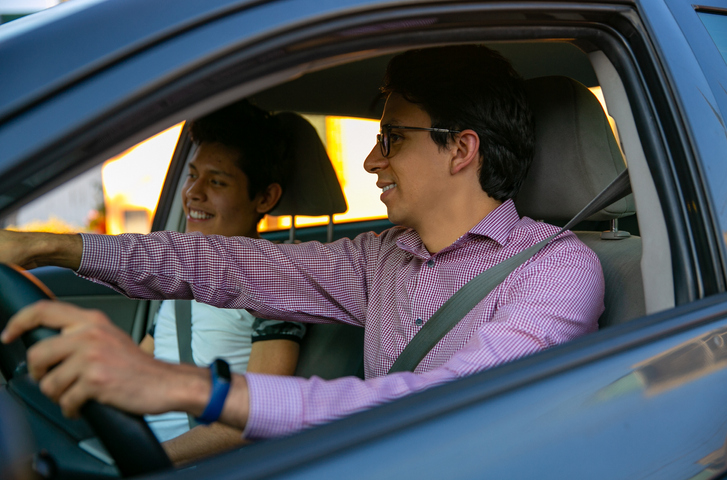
(220, 371)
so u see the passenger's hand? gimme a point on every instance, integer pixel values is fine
(93, 359)
(35, 249)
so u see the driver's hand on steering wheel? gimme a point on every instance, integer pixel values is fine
(94, 359)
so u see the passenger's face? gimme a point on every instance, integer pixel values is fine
(215, 194)
(413, 176)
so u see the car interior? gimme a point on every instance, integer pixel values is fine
(580, 149)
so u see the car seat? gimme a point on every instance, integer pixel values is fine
(312, 186)
(577, 156)
(327, 350)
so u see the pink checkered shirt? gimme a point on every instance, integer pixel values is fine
(389, 284)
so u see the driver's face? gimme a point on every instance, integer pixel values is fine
(413, 176)
(215, 194)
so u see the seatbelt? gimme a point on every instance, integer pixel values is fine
(183, 317)
(474, 291)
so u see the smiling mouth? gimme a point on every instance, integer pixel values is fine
(199, 215)
(388, 187)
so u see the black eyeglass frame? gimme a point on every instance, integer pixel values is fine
(383, 138)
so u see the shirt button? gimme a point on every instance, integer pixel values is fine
(430, 263)
(418, 321)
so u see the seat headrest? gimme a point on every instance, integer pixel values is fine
(312, 185)
(576, 153)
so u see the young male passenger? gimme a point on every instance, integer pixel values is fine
(233, 180)
(456, 142)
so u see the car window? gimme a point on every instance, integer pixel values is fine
(119, 196)
(716, 25)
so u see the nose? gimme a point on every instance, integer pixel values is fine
(375, 161)
(194, 189)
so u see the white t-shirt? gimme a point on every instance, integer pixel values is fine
(216, 333)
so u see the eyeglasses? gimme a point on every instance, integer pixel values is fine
(383, 137)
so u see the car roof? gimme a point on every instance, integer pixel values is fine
(104, 32)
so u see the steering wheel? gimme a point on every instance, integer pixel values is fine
(127, 438)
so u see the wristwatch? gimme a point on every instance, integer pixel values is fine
(221, 379)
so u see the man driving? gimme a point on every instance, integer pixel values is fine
(456, 142)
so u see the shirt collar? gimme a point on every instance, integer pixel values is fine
(497, 225)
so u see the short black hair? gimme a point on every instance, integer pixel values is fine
(255, 133)
(472, 87)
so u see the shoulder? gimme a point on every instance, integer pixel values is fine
(372, 242)
(565, 249)
(388, 236)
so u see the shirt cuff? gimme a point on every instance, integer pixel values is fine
(101, 257)
(276, 406)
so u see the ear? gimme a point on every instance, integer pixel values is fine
(465, 151)
(266, 200)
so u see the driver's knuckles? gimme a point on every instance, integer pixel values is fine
(72, 400)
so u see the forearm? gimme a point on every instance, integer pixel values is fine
(35, 249)
(227, 272)
(274, 357)
(280, 406)
(187, 388)
(202, 441)
(190, 392)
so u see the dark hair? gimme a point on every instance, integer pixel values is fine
(472, 87)
(257, 136)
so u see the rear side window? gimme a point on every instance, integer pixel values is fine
(119, 196)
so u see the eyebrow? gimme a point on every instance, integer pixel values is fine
(213, 171)
(391, 121)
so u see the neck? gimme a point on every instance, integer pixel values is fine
(444, 226)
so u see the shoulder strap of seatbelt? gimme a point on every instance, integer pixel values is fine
(474, 291)
(183, 317)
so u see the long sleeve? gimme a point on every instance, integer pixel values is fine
(307, 282)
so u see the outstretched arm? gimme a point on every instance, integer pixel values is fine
(35, 249)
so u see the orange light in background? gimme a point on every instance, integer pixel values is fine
(598, 92)
(599, 95)
(133, 180)
(348, 141)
